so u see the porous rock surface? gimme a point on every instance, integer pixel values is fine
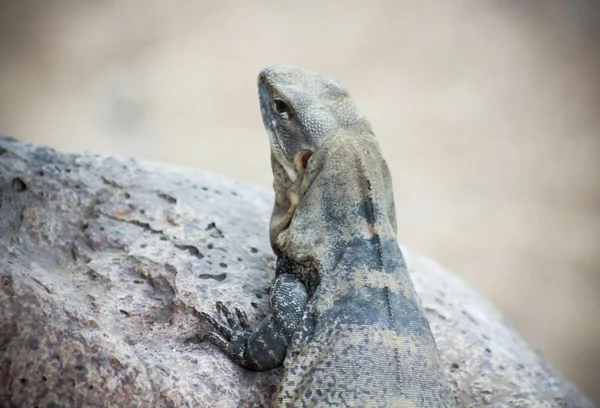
(104, 263)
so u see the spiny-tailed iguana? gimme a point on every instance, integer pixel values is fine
(346, 321)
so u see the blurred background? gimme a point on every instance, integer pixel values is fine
(488, 113)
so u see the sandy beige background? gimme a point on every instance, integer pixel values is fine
(488, 113)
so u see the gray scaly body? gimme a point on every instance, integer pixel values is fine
(346, 322)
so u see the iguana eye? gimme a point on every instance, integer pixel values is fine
(281, 108)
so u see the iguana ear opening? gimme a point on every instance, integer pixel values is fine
(301, 160)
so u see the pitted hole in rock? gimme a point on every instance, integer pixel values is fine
(191, 249)
(253, 250)
(453, 367)
(170, 199)
(73, 252)
(471, 318)
(218, 277)
(2, 151)
(216, 232)
(254, 305)
(223, 265)
(7, 287)
(18, 185)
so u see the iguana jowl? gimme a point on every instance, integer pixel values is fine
(346, 321)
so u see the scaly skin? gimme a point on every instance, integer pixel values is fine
(346, 321)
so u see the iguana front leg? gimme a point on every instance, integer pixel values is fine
(264, 347)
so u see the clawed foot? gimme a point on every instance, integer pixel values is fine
(231, 337)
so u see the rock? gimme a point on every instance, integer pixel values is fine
(104, 263)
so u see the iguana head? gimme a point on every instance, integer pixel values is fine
(301, 108)
(301, 111)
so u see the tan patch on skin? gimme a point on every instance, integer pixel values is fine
(337, 289)
(344, 288)
(395, 282)
(387, 339)
(374, 279)
(400, 402)
(391, 340)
